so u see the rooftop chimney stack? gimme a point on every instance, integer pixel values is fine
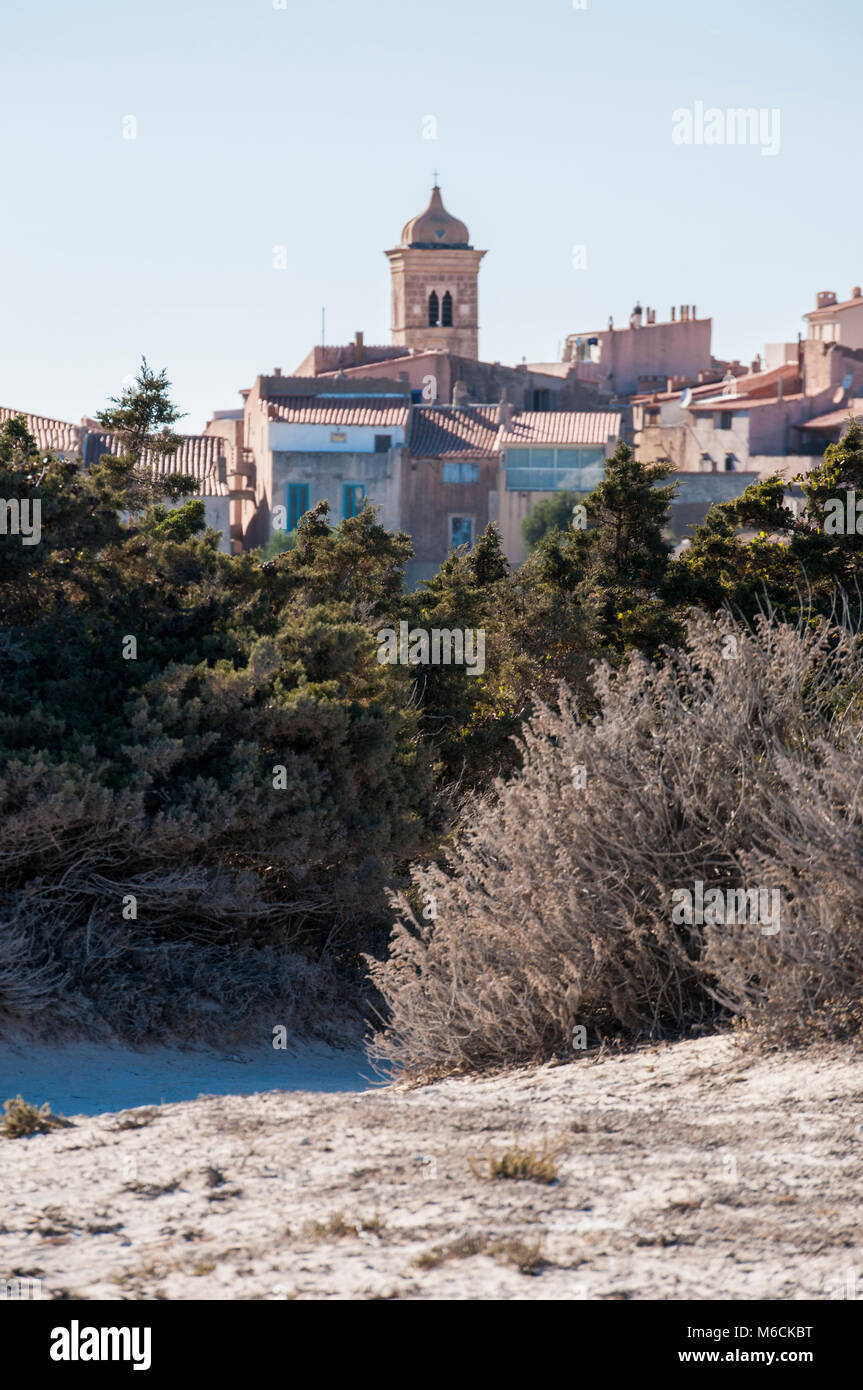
(505, 409)
(673, 314)
(825, 298)
(359, 349)
(856, 292)
(277, 371)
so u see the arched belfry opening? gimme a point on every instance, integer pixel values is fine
(434, 310)
(446, 312)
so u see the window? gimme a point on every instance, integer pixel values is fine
(460, 472)
(338, 437)
(651, 417)
(729, 463)
(434, 310)
(551, 470)
(446, 317)
(297, 501)
(460, 531)
(541, 398)
(353, 496)
(383, 443)
(726, 419)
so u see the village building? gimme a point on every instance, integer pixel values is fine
(778, 420)
(352, 422)
(643, 354)
(200, 456)
(472, 464)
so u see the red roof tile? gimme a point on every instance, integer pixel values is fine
(452, 432)
(831, 419)
(561, 427)
(379, 412)
(829, 309)
(199, 456)
(52, 436)
(744, 402)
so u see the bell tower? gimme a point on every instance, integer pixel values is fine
(435, 280)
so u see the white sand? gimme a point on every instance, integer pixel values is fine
(687, 1170)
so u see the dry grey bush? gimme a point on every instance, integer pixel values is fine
(554, 907)
(206, 957)
(64, 970)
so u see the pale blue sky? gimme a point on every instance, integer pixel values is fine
(303, 126)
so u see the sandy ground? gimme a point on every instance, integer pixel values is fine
(686, 1171)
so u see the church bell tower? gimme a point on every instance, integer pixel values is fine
(435, 279)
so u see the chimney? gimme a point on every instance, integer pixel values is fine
(856, 292)
(277, 371)
(505, 410)
(359, 349)
(694, 315)
(673, 314)
(460, 395)
(825, 298)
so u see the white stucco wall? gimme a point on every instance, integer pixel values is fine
(359, 439)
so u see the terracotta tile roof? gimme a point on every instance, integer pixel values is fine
(561, 427)
(753, 384)
(655, 397)
(391, 366)
(744, 402)
(379, 412)
(828, 309)
(833, 418)
(52, 436)
(199, 457)
(450, 432)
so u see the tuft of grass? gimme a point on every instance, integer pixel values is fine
(527, 1256)
(521, 1165)
(22, 1119)
(461, 1249)
(336, 1227)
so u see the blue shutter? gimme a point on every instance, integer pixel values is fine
(297, 502)
(353, 496)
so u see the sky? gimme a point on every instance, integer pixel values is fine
(305, 124)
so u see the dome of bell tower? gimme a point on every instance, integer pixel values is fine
(436, 228)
